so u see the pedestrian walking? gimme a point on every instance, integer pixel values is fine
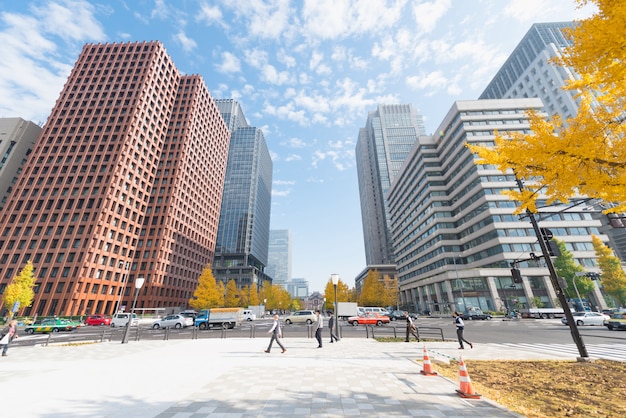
(331, 327)
(277, 334)
(319, 324)
(460, 326)
(410, 328)
(9, 334)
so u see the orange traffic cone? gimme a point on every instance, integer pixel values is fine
(428, 368)
(466, 390)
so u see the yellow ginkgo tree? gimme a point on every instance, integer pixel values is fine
(586, 154)
(19, 293)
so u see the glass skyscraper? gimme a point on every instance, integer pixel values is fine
(241, 251)
(383, 144)
(279, 264)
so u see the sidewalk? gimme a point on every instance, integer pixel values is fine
(236, 378)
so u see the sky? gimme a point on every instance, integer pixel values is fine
(306, 72)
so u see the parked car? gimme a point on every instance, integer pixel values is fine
(173, 321)
(189, 314)
(98, 320)
(301, 317)
(617, 321)
(369, 318)
(121, 319)
(587, 318)
(52, 325)
(475, 313)
(399, 315)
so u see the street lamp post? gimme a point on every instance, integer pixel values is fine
(123, 289)
(335, 279)
(138, 285)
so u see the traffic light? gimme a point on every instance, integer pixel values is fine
(553, 249)
(517, 276)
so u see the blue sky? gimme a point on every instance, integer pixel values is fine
(306, 72)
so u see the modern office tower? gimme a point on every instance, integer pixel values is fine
(124, 182)
(279, 257)
(17, 138)
(298, 288)
(528, 72)
(456, 234)
(383, 144)
(241, 252)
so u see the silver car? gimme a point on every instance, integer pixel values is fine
(301, 317)
(173, 321)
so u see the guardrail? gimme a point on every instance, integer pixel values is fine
(422, 332)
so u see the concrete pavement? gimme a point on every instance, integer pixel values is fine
(235, 378)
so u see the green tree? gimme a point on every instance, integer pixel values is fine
(584, 155)
(207, 294)
(567, 267)
(231, 298)
(21, 289)
(372, 292)
(613, 279)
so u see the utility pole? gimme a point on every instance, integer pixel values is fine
(582, 350)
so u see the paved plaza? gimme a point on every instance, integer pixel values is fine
(235, 378)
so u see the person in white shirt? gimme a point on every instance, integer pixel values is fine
(277, 334)
(460, 326)
(318, 328)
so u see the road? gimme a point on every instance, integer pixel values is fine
(535, 334)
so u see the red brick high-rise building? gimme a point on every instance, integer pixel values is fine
(125, 181)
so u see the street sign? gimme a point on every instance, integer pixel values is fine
(16, 306)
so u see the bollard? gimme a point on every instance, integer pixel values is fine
(48, 340)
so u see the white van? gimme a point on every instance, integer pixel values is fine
(121, 319)
(376, 309)
(248, 315)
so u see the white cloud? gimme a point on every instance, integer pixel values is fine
(332, 19)
(210, 15)
(432, 80)
(230, 64)
(264, 19)
(427, 14)
(186, 43)
(286, 111)
(293, 157)
(35, 64)
(294, 143)
(284, 58)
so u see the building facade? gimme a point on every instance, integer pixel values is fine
(298, 288)
(125, 181)
(279, 257)
(17, 138)
(244, 223)
(382, 146)
(528, 72)
(456, 234)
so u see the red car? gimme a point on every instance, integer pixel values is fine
(370, 318)
(98, 320)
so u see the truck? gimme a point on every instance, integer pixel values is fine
(258, 310)
(542, 313)
(347, 309)
(225, 318)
